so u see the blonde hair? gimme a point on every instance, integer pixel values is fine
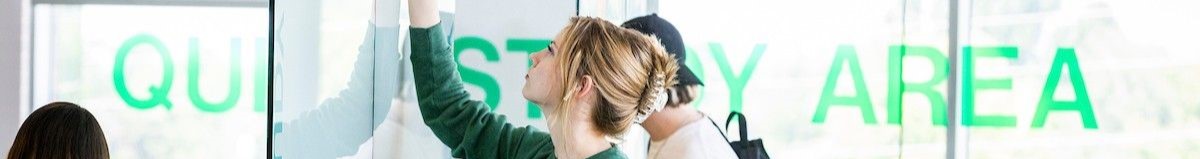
(627, 67)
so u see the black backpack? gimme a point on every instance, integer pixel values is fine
(744, 148)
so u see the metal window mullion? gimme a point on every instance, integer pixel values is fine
(952, 107)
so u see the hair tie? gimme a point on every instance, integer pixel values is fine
(658, 101)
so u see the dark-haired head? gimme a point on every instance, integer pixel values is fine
(60, 130)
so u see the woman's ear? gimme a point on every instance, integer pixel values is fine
(587, 86)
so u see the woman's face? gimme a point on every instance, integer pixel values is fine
(542, 84)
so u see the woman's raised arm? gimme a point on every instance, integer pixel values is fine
(423, 13)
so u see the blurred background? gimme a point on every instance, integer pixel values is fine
(816, 78)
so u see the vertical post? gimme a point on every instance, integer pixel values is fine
(952, 112)
(271, 128)
(13, 69)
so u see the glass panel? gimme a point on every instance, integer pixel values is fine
(163, 81)
(814, 77)
(336, 76)
(1081, 79)
(917, 89)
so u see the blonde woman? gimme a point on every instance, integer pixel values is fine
(593, 82)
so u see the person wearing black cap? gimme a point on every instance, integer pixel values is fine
(677, 130)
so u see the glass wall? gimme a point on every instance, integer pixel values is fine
(868, 79)
(816, 78)
(825, 79)
(1081, 78)
(165, 79)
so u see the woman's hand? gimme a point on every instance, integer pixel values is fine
(423, 13)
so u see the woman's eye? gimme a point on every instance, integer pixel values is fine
(550, 48)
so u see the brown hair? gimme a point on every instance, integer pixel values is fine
(627, 68)
(60, 130)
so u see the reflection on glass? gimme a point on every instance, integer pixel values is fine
(339, 84)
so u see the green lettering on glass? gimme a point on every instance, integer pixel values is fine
(845, 55)
(971, 85)
(1082, 104)
(235, 76)
(528, 46)
(158, 93)
(736, 83)
(897, 86)
(491, 88)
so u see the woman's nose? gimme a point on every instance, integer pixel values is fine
(535, 59)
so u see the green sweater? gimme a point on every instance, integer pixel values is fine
(467, 126)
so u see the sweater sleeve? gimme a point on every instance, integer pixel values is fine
(464, 125)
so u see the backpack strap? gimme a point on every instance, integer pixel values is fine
(741, 124)
(714, 122)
